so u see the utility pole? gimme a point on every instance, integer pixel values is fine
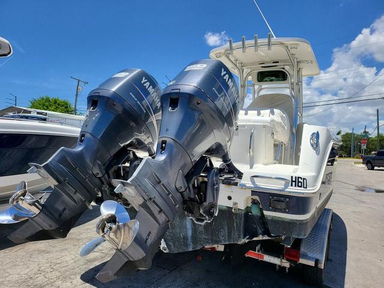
(352, 142)
(365, 136)
(14, 100)
(77, 90)
(378, 133)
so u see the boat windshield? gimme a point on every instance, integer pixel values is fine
(272, 76)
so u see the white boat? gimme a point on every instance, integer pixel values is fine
(23, 141)
(25, 136)
(249, 179)
(42, 115)
(283, 160)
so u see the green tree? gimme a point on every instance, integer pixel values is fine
(372, 144)
(52, 104)
(345, 148)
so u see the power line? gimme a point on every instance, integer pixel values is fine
(325, 78)
(2, 64)
(77, 89)
(313, 114)
(351, 48)
(14, 100)
(375, 129)
(344, 102)
(340, 86)
(350, 97)
(343, 68)
(333, 40)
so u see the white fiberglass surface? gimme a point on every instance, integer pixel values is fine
(278, 52)
(16, 126)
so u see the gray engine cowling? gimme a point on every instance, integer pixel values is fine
(199, 112)
(122, 117)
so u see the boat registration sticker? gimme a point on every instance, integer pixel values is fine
(299, 182)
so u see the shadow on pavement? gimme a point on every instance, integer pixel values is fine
(5, 230)
(184, 270)
(88, 215)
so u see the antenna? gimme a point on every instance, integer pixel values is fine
(265, 20)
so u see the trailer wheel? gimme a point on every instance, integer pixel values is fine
(315, 276)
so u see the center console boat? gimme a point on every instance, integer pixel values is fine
(228, 168)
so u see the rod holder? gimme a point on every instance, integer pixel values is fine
(230, 46)
(256, 43)
(269, 41)
(243, 44)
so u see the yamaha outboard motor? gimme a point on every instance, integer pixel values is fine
(122, 118)
(199, 112)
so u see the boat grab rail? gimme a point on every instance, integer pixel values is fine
(255, 185)
(251, 158)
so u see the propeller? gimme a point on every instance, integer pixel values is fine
(13, 215)
(91, 246)
(115, 227)
(24, 199)
(24, 206)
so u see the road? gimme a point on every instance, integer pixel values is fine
(356, 252)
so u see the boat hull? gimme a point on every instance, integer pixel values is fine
(23, 142)
(246, 214)
(9, 183)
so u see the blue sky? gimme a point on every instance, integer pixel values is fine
(92, 40)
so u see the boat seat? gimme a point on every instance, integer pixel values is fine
(279, 101)
(258, 132)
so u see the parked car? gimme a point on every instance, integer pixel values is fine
(376, 160)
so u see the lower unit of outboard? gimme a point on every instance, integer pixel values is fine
(122, 118)
(199, 112)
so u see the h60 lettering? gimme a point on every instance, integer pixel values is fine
(299, 182)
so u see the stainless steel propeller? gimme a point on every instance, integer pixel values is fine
(24, 206)
(115, 227)
(24, 199)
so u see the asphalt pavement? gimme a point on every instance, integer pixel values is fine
(356, 252)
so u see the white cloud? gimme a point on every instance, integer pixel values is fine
(346, 76)
(216, 39)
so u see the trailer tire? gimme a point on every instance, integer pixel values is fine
(314, 276)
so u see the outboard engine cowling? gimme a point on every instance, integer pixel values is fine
(122, 117)
(199, 112)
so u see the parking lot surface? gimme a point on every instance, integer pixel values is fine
(356, 252)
